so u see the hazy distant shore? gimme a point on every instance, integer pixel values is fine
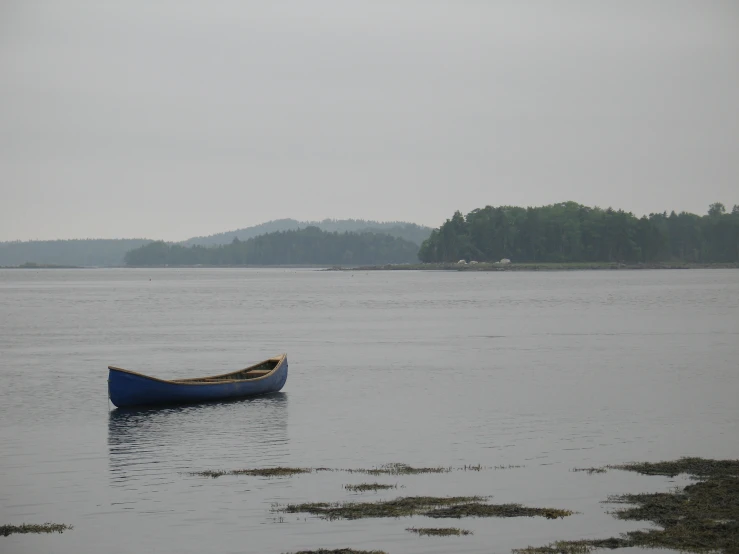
(198, 266)
(574, 266)
(42, 266)
(534, 266)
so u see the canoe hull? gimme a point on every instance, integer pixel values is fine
(128, 389)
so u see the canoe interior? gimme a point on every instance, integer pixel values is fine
(253, 372)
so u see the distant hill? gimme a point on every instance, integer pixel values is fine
(401, 229)
(309, 246)
(110, 252)
(76, 252)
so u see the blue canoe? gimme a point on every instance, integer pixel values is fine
(128, 388)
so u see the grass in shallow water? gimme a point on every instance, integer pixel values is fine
(24, 528)
(264, 472)
(387, 469)
(569, 547)
(702, 517)
(402, 469)
(364, 487)
(590, 470)
(339, 551)
(696, 467)
(438, 531)
(477, 509)
(429, 506)
(400, 507)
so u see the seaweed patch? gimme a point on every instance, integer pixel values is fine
(400, 507)
(438, 531)
(701, 517)
(477, 509)
(264, 472)
(23, 528)
(365, 487)
(339, 551)
(400, 469)
(590, 470)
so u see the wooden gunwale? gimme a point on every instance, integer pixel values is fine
(200, 381)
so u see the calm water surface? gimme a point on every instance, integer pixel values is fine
(548, 371)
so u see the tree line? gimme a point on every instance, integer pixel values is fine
(75, 252)
(111, 252)
(408, 231)
(308, 246)
(571, 232)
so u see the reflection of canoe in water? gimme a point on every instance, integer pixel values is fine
(148, 445)
(128, 388)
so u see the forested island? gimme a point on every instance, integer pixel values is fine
(572, 233)
(309, 246)
(401, 229)
(565, 233)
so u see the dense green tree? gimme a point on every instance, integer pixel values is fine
(716, 209)
(309, 246)
(570, 232)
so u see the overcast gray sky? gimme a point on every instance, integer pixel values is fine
(167, 119)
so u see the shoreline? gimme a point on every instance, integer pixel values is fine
(572, 266)
(544, 266)
(50, 267)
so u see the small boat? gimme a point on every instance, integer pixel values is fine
(128, 388)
